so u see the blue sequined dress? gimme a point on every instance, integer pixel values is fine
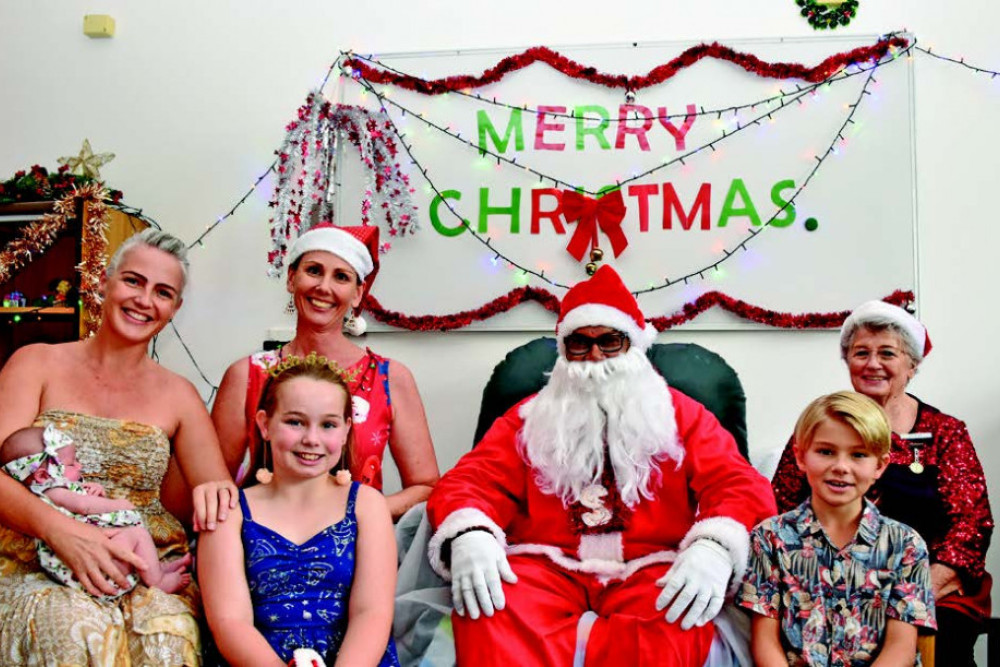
(301, 592)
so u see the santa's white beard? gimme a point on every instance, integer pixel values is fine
(622, 401)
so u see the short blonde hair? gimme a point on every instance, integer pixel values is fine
(159, 240)
(856, 410)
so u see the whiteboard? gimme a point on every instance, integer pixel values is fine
(719, 218)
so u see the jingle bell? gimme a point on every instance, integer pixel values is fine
(591, 268)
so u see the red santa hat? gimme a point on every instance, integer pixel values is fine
(358, 246)
(879, 314)
(603, 300)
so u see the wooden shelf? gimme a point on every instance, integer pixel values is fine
(47, 310)
(51, 324)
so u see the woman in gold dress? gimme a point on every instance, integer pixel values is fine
(142, 432)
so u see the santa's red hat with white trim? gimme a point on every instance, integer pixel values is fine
(603, 301)
(879, 314)
(356, 245)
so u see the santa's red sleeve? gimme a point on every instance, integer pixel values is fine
(732, 497)
(483, 490)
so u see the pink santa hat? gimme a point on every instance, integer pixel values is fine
(603, 300)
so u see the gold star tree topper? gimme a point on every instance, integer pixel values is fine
(87, 163)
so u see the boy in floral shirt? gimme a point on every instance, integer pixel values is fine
(833, 582)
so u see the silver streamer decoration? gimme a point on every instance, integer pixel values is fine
(305, 191)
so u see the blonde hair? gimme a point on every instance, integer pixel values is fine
(861, 413)
(157, 239)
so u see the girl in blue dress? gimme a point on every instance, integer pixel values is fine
(309, 560)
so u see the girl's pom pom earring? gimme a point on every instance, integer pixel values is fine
(263, 475)
(343, 475)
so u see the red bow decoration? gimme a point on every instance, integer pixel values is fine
(606, 213)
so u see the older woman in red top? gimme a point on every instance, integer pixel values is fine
(329, 271)
(934, 481)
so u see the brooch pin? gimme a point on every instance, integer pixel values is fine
(916, 441)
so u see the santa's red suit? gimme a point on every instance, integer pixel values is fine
(714, 493)
(591, 489)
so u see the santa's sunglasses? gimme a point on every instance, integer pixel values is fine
(579, 345)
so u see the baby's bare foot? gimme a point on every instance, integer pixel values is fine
(172, 582)
(177, 564)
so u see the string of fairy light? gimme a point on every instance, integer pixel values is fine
(959, 61)
(751, 232)
(556, 181)
(253, 188)
(786, 100)
(779, 98)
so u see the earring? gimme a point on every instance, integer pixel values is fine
(263, 475)
(290, 306)
(343, 476)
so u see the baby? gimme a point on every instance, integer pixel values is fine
(44, 460)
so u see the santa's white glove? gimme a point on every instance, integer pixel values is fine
(477, 566)
(696, 582)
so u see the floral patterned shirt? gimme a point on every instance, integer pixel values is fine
(958, 533)
(834, 604)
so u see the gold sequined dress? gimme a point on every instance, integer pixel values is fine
(45, 623)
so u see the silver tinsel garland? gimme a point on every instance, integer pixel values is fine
(305, 189)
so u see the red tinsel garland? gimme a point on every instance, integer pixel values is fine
(659, 74)
(501, 304)
(772, 318)
(689, 312)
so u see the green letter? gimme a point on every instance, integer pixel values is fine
(436, 220)
(779, 201)
(513, 125)
(514, 210)
(748, 209)
(597, 130)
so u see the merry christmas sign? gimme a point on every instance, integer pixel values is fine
(776, 175)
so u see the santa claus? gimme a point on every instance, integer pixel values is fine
(590, 507)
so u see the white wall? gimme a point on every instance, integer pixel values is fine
(193, 98)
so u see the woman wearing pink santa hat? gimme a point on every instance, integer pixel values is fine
(330, 269)
(934, 481)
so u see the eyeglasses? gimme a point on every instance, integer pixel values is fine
(579, 345)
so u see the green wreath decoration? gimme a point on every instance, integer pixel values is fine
(822, 16)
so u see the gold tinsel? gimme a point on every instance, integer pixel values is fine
(38, 237)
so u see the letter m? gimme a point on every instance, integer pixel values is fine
(513, 127)
(702, 203)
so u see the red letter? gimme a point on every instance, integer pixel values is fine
(537, 214)
(672, 129)
(639, 132)
(643, 192)
(671, 203)
(541, 127)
